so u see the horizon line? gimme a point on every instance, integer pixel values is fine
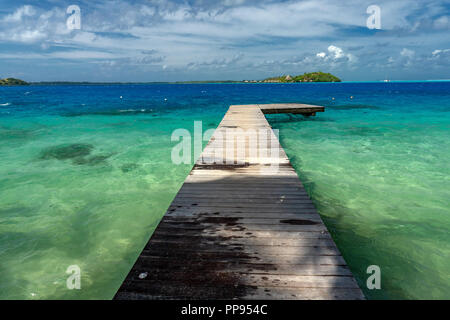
(220, 81)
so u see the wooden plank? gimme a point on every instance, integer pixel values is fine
(190, 292)
(310, 219)
(308, 242)
(242, 226)
(211, 258)
(242, 279)
(266, 235)
(248, 267)
(249, 227)
(252, 216)
(262, 293)
(212, 209)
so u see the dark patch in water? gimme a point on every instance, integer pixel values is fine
(16, 134)
(294, 118)
(77, 152)
(16, 212)
(64, 152)
(128, 167)
(361, 131)
(91, 161)
(299, 222)
(119, 124)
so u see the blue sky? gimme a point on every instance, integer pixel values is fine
(156, 40)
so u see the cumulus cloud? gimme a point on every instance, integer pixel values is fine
(336, 54)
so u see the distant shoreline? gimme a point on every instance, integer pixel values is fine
(47, 83)
(83, 83)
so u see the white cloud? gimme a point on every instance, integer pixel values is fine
(147, 11)
(28, 36)
(440, 57)
(441, 22)
(232, 3)
(407, 53)
(41, 26)
(439, 52)
(25, 11)
(81, 54)
(336, 54)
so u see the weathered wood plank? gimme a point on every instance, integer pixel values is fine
(242, 215)
(247, 267)
(262, 293)
(265, 235)
(306, 242)
(212, 258)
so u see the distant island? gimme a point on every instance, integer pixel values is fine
(307, 77)
(12, 82)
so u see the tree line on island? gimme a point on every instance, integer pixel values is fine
(12, 82)
(306, 77)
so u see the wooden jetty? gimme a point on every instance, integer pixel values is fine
(242, 226)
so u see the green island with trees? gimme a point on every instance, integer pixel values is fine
(12, 82)
(307, 77)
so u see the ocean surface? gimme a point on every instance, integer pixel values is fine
(86, 175)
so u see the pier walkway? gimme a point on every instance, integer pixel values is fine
(242, 226)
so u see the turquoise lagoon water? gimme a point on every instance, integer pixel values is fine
(85, 177)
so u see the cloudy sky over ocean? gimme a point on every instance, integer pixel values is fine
(155, 40)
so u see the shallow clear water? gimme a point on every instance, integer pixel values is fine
(85, 177)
